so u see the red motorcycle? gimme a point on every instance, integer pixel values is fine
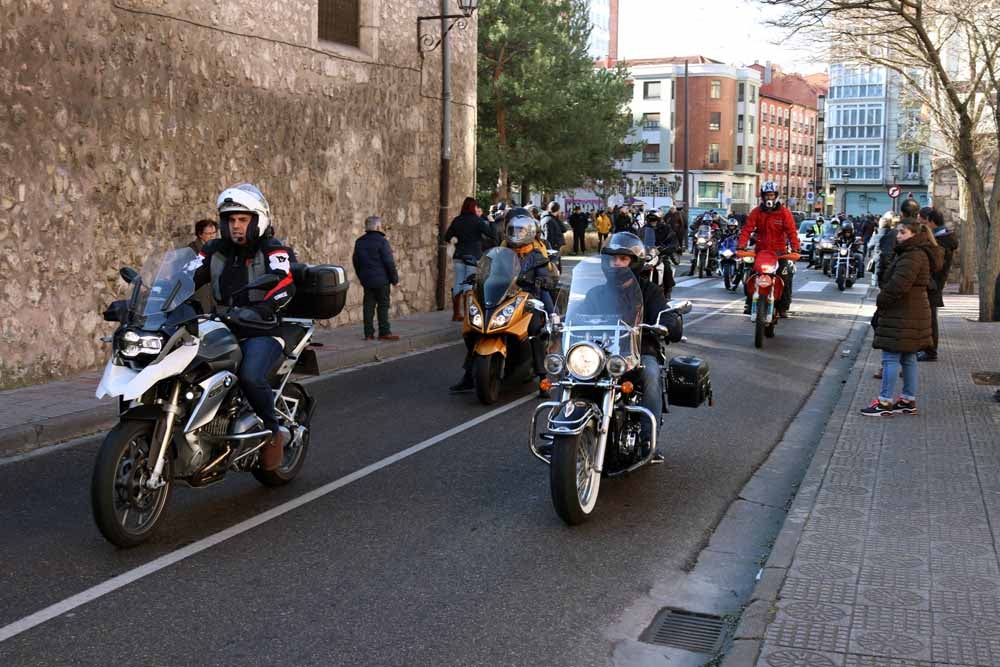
(765, 286)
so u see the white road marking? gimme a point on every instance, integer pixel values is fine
(713, 312)
(154, 566)
(691, 282)
(812, 286)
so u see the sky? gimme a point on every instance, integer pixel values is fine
(732, 31)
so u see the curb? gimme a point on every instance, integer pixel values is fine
(24, 438)
(797, 446)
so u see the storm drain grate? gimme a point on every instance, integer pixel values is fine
(701, 633)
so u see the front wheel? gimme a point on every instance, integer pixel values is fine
(758, 331)
(486, 371)
(573, 478)
(294, 407)
(727, 276)
(126, 511)
(841, 280)
(826, 267)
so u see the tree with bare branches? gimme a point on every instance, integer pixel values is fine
(946, 54)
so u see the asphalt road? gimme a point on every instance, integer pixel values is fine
(450, 556)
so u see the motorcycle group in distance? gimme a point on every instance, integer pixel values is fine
(202, 394)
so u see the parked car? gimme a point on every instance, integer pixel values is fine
(805, 236)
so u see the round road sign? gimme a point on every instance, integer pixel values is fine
(894, 191)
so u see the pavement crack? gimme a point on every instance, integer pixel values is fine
(783, 508)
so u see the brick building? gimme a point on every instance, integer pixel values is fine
(121, 122)
(789, 135)
(720, 124)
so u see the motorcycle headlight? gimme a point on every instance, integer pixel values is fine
(617, 365)
(585, 361)
(843, 252)
(826, 244)
(554, 364)
(133, 344)
(475, 316)
(503, 317)
(727, 253)
(701, 241)
(767, 268)
(748, 260)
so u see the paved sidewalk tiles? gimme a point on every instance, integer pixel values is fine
(34, 416)
(896, 562)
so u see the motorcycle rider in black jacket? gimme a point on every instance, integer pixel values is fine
(246, 251)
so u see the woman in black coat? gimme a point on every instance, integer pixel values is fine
(903, 319)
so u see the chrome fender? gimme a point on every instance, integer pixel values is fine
(130, 384)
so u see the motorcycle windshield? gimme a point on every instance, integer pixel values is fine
(704, 232)
(166, 282)
(496, 275)
(605, 306)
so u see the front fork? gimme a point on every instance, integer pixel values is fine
(769, 314)
(170, 410)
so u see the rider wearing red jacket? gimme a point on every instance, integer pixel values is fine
(776, 231)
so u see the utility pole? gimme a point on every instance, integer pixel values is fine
(687, 187)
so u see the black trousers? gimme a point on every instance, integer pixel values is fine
(934, 330)
(579, 241)
(376, 298)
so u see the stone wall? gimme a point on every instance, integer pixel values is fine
(120, 121)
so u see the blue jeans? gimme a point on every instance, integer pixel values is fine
(260, 355)
(652, 391)
(462, 271)
(891, 361)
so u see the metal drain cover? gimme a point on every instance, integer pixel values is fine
(701, 633)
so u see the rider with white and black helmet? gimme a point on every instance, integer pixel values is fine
(247, 251)
(625, 250)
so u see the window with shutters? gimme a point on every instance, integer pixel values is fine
(340, 21)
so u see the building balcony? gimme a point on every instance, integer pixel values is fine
(721, 165)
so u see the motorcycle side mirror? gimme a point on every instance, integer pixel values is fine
(681, 306)
(536, 305)
(128, 274)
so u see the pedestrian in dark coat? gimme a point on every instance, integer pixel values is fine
(470, 231)
(946, 241)
(376, 271)
(578, 222)
(903, 317)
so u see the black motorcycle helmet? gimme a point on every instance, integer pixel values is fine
(626, 243)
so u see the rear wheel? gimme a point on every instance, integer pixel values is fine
(125, 509)
(758, 330)
(292, 399)
(486, 371)
(573, 478)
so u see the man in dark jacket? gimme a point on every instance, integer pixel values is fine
(376, 271)
(246, 252)
(552, 228)
(470, 230)
(948, 243)
(578, 222)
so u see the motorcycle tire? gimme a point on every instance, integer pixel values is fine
(850, 284)
(116, 487)
(826, 267)
(701, 268)
(295, 452)
(573, 498)
(758, 330)
(486, 374)
(728, 278)
(841, 281)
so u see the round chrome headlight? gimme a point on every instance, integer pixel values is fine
(585, 361)
(554, 364)
(617, 365)
(843, 252)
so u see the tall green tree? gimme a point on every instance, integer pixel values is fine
(547, 118)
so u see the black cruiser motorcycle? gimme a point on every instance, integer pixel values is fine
(593, 431)
(182, 415)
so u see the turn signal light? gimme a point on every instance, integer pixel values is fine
(627, 387)
(545, 384)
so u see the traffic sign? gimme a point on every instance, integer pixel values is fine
(894, 191)
(810, 197)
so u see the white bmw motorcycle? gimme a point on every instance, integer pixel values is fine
(182, 415)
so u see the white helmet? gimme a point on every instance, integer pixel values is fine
(244, 198)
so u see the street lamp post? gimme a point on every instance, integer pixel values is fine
(427, 41)
(894, 167)
(847, 181)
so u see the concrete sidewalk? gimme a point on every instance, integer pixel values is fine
(40, 415)
(888, 556)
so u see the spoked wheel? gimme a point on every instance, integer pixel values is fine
(573, 478)
(486, 371)
(126, 511)
(758, 330)
(293, 402)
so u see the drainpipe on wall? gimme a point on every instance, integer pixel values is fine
(445, 173)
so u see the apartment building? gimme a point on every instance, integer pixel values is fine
(718, 118)
(865, 120)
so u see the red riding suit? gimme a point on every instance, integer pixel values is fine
(775, 229)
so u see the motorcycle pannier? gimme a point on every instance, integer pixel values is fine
(688, 383)
(320, 291)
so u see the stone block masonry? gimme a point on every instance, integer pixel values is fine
(121, 120)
